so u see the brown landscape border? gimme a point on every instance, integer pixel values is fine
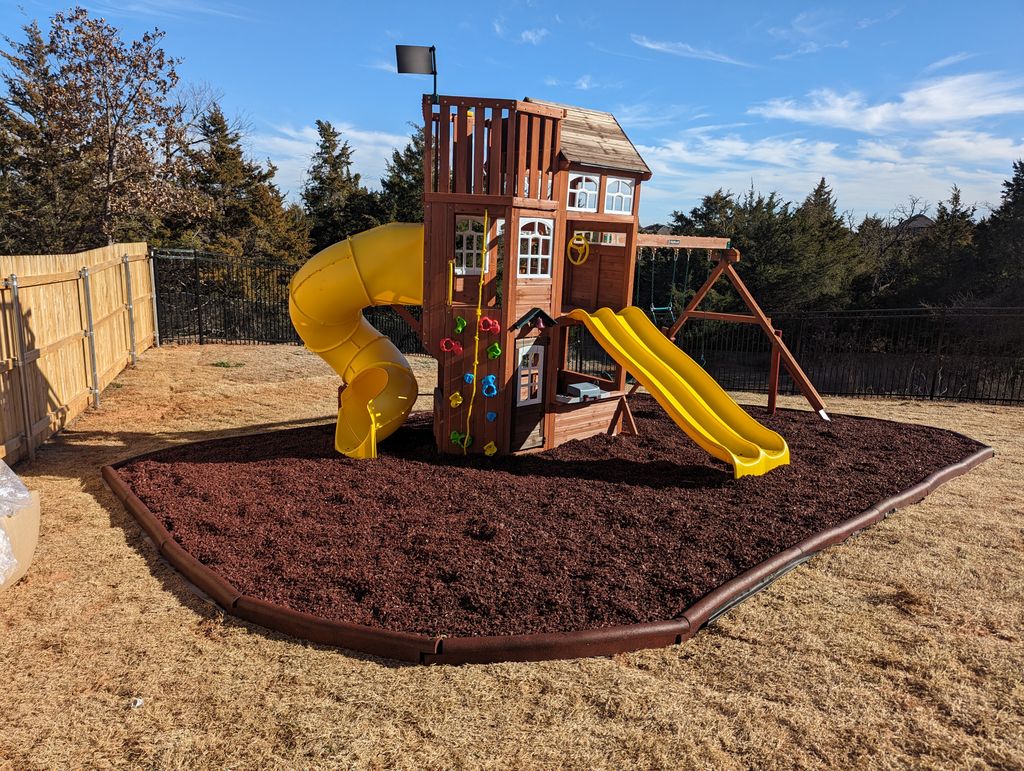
(605, 641)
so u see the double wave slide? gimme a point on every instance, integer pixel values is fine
(690, 396)
(381, 266)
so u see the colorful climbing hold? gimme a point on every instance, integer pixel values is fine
(457, 348)
(490, 448)
(447, 345)
(491, 416)
(493, 351)
(455, 399)
(456, 437)
(487, 324)
(489, 389)
(460, 324)
(468, 378)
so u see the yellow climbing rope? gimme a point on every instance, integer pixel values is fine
(476, 336)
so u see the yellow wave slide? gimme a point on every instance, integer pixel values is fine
(382, 266)
(691, 397)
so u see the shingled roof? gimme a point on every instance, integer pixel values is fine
(595, 138)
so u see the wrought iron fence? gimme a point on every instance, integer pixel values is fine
(941, 353)
(213, 298)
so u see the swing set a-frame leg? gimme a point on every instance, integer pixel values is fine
(779, 348)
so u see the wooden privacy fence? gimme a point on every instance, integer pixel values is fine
(69, 324)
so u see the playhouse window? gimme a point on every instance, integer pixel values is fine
(619, 195)
(469, 245)
(535, 247)
(583, 192)
(529, 374)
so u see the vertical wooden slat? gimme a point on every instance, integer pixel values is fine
(462, 157)
(535, 124)
(428, 144)
(444, 145)
(545, 165)
(511, 154)
(523, 147)
(494, 167)
(478, 149)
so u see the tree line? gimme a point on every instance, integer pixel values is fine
(810, 256)
(101, 142)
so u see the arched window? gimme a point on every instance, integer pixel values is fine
(535, 247)
(583, 192)
(469, 245)
(618, 197)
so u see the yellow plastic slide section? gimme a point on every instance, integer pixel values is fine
(691, 397)
(381, 266)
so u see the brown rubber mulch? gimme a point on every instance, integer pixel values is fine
(595, 533)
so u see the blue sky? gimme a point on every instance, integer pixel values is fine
(884, 99)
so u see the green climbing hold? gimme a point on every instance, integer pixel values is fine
(493, 351)
(460, 324)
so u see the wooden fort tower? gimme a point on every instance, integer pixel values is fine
(537, 173)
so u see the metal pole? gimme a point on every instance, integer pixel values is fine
(199, 297)
(152, 289)
(19, 332)
(131, 310)
(91, 336)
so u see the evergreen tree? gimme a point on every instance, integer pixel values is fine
(944, 265)
(1001, 237)
(244, 211)
(402, 185)
(328, 188)
(824, 262)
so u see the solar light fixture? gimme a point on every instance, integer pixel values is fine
(418, 60)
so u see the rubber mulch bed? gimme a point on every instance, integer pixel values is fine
(595, 533)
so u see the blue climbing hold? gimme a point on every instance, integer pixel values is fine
(492, 416)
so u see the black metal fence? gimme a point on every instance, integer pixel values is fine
(943, 353)
(213, 298)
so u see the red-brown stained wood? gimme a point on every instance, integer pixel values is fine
(463, 148)
(534, 162)
(494, 167)
(444, 148)
(523, 147)
(478, 149)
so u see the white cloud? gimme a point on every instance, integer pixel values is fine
(533, 36)
(949, 61)
(383, 66)
(171, 8)
(869, 177)
(872, 21)
(684, 49)
(811, 47)
(290, 149)
(953, 99)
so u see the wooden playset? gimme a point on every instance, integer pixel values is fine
(529, 240)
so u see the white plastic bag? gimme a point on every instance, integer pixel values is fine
(13, 496)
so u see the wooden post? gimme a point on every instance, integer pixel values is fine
(773, 375)
(19, 334)
(90, 334)
(130, 304)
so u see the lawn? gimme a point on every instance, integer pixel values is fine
(901, 647)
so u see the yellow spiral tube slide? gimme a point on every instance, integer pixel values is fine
(381, 266)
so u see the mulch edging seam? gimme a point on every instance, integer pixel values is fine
(416, 648)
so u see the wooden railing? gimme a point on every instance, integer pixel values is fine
(495, 147)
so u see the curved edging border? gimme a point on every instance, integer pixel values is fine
(605, 641)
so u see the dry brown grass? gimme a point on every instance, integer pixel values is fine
(901, 647)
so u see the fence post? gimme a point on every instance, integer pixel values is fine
(199, 298)
(152, 289)
(90, 334)
(19, 333)
(131, 309)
